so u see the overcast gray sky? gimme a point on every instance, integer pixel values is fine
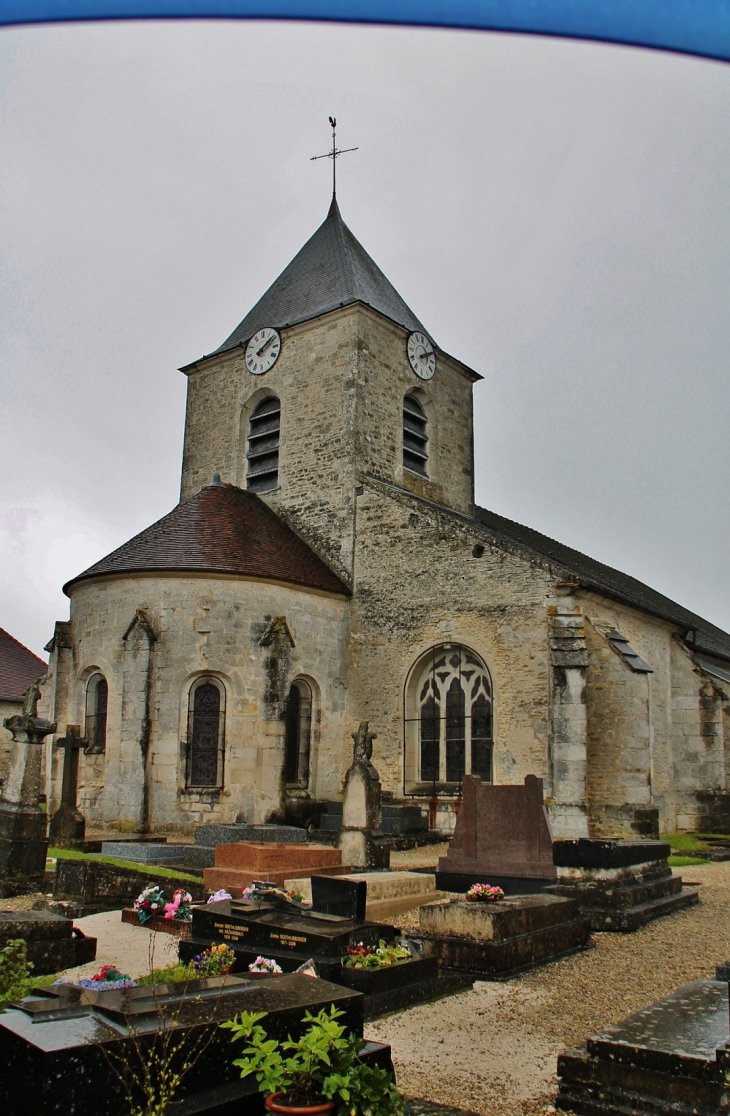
(556, 213)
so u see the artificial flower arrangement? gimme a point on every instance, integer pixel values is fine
(107, 978)
(219, 896)
(375, 957)
(318, 1072)
(180, 908)
(216, 961)
(483, 893)
(264, 965)
(150, 902)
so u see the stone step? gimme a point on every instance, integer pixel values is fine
(628, 919)
(618, 894)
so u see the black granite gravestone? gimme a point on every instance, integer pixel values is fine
(55, 1045)
(335, 896)
(290, 935)
(671, 1059)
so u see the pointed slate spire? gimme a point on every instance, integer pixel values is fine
(331, 270)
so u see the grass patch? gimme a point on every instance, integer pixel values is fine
(145, 869)
(686, 861)
(691, 842)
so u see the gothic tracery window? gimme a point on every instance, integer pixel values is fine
(263, 446)
(206, 734)
(449, 718)
(298, 734)
(97, 695)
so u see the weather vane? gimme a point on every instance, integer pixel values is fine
(333, 155)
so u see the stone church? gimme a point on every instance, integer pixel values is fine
(327, 565)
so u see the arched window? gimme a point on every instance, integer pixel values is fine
(97, 694)
(448, 718)
(206, 734)
(298, 734)
(263, 446)
(415, 437)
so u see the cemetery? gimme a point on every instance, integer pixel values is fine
(428, 957)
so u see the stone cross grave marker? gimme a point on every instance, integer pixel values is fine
(68, 823)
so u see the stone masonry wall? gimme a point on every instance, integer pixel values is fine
(418, 585)
(341, 381)
(205, 625)
(698, 753)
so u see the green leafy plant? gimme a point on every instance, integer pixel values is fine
(375, 957)
(177, 973)
(14, 969)
(321, 1065)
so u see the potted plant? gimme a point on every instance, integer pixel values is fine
(318, 1074)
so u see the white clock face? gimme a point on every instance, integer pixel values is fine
(421, 356)
(262, 351)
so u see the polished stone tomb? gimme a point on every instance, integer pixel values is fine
(240, 864)
(502, 837)
(51, 1044)
(289, 933)
(619, 884)
(671, 1059)
(53, 943)
(503, 937)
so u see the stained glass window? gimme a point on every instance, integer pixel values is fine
(205, 736)
(97, 695)
(451, 725)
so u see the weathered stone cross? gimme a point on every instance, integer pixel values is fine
(68, 823)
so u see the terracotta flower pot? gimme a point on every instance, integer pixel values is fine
(324, 1109)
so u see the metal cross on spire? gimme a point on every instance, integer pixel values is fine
(333, 155)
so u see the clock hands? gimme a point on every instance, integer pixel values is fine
(265, 345)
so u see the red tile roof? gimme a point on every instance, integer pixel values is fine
(221, 530)
(18, 667)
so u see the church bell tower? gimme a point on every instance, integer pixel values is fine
(328, 380)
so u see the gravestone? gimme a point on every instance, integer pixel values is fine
(619, 884)
(238, 865)
(338, 896)
(502, 937)
(671, 1058)
(53, 1044)
(52, 942)
(389, 894)
(361, 841)
(208, 836)
(502, 837)
(23, 841)
(285, 931)
(68, 824)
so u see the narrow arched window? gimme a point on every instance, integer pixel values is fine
(97, 694)
(298, 734)
(206, 734)
(263, 446)
(415, 436)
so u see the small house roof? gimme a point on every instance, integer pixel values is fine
(18, 667)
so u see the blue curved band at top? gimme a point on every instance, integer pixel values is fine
(699, 27)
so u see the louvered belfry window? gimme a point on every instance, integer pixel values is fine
(415, 436)
(206, 718)
(263, 446)
(453, 717)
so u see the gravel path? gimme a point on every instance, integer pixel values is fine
(130, 948)
(494, 1049)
